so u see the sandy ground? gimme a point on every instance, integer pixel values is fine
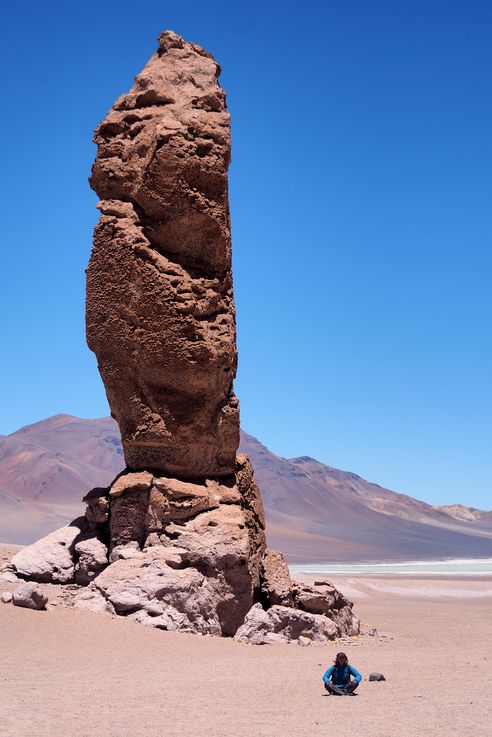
(77, 674)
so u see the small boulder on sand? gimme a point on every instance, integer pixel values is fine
(7, 576)
(30, 596)
(376, 677)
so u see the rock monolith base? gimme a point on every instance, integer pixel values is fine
(185, 555)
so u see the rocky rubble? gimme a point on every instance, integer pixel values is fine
(177, 541)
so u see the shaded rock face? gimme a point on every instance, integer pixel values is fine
(276, 584)
(160, 310)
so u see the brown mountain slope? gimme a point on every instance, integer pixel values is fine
(318, 513)
(46, 468)
(315, 513)
(53, 460)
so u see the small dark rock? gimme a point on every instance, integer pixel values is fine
(376, 677)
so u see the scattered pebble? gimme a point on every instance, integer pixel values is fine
(376, 676)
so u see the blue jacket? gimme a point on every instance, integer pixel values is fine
(340, 675)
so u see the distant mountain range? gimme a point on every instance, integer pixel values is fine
(315, 513)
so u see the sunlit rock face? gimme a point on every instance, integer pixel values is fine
(160, 308)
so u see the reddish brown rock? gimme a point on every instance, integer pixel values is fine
(177, 541)
(173, 500)
(160, 309)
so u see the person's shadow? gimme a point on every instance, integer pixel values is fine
(340, 694)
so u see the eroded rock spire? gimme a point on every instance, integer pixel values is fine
(160, 308)
(177, 541)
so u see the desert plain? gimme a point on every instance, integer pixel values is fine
(67, 673)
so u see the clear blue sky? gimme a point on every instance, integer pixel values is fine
(361, 191)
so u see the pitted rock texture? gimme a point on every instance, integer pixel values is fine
(91, 556)
(160, 309)
(159, 594)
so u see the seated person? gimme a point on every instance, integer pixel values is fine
(337, 679)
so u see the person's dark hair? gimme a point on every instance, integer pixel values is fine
(341, 655)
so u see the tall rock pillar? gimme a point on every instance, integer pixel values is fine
(160, 307)
(178, 539)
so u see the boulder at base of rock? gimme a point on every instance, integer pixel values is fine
(276, 586)
(93, 601)
(51, 558)
(325, 599)
(7, 576)
(30, 596)
(207, 535)
(6, 597)
(150, 585)
(283, 624)
(322, 598)
(92, 557)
